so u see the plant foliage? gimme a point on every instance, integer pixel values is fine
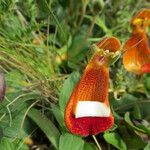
(44, 47)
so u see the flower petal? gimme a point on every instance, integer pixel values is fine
(95, 109)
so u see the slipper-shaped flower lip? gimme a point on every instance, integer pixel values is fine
(141, 17)
(88, 111)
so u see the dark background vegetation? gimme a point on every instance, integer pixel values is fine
(43, 51)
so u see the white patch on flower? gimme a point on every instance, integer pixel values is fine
(92, 109)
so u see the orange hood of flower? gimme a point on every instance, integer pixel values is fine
(93, 87)
(142, 18)
(136, 57)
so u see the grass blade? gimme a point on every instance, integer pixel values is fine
(46, 126)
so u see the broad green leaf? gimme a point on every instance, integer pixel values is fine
(131, 138)
(46, 126)
(77, 46)
(10, 144)
(128, 120)
(147, 81)
(125, 103)
(141, 128)
(58, 115)
(70, 142)
(115, 139)
(67, 89)
(137, 111)
(89, 146)
(147, 147)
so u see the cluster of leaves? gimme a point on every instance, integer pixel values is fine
(43, 42)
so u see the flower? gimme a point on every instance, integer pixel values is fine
(88, 111)
(136, 57)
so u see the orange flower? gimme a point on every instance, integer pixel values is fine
(88, 111)
(137, 52)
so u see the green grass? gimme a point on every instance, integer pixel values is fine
(44, 47)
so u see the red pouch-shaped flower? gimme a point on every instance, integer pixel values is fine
(88, 111)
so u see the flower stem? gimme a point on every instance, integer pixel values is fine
(95, 140)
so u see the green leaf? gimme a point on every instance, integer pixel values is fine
(115, 139)
(131, 138)
(101, 24)
(12, 116)
(46, 126)
(58, 115)
(70, 142)
(67, 89)
(147, 147)
(78, 48)
(128, 120)
(139, 128)
(125, 103)
(147, 81)
(114, 59)
(89, 146)
(12, 113)
(14, 129)
(9, 144)
(77, 45)
(137, 111)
